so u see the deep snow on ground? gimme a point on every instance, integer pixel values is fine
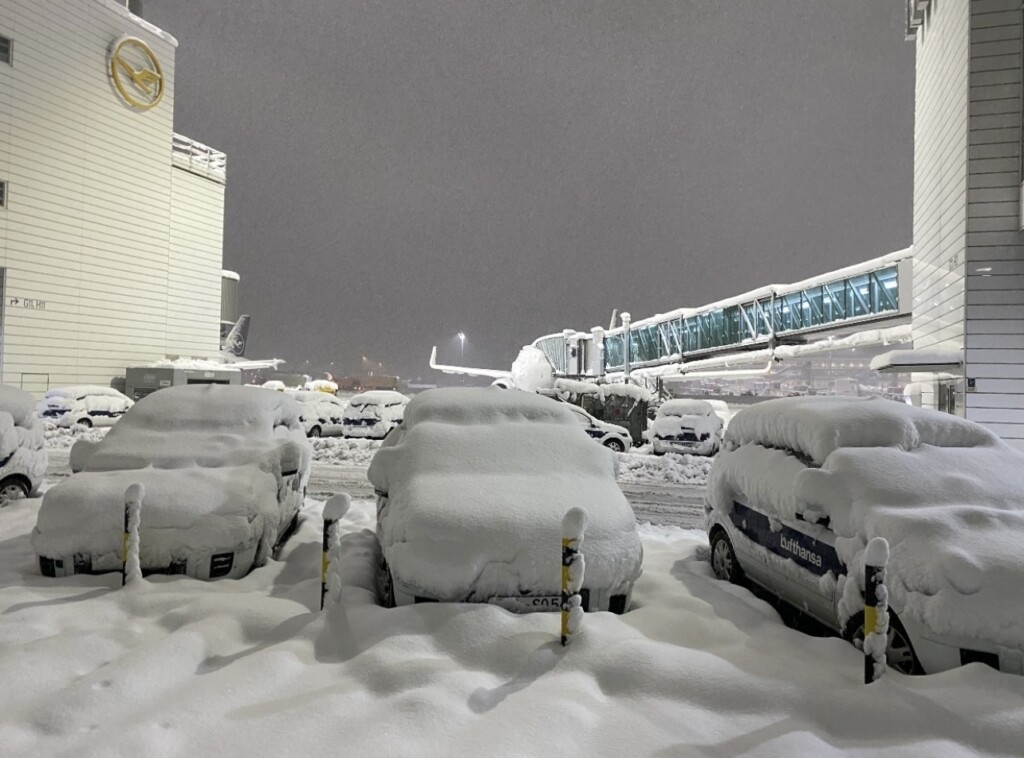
(63, 437)
(357, 452)
(641, 466)
(249, 667)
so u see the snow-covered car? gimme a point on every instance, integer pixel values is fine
(471, 492)
(612, 436)
(686, 426)
(88, 405)
(224, 470)
(803, 484)
(322, 413)
(373, 414)
(22, 451)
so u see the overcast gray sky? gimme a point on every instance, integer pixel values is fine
(399, 171)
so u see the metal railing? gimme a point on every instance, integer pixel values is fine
(199, 158)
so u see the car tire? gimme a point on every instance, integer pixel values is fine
(314, 432)
(87, 423)
(615, 446)
(13, 488)
(899, 652)
(723, 558)
(388, 590)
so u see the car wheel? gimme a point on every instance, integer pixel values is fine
(723, 558)
(899, 652)
(388, 590)
(12, 488)
(314, 432)
(615, 446)
(87, 423)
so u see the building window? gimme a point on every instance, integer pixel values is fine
(3, 194)
(6, 49)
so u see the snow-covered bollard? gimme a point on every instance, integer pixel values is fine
(574, 525)
(876, 609)
(334, 510)
(131, 569)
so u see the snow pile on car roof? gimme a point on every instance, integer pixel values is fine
(81, 390)
(947, 495)
(22, 441)
(478, 481)
(205, 425)
(815, 426)
(685, 407)
(312, 396)
(378, 397)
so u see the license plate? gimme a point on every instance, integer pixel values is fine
(528, 603)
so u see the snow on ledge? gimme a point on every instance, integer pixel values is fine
(921, 359)
(121, 10)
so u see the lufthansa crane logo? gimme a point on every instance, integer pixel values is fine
(136, 73)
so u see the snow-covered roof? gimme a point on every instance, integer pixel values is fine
(817, 425)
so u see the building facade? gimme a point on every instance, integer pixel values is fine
(111, 225)
(968, 245)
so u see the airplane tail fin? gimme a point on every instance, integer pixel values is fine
(234, 341)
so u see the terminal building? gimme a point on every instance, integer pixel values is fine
(111, 224)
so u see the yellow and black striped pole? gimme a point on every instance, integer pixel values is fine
(876, 609)
(334, 510)
(124, 546)
(574, 525)
(131, 569)
(568, 554)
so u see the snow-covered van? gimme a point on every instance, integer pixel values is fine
(472, 490)
(686, 426)
(373, 414)
(87, 405)
(223, 468)
(22, 451)
(803, 484)
(612, 436)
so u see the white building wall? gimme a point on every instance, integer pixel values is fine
(995, 247)
(194, 276)
(88, 229)
(940, 179)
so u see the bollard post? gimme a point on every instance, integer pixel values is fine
(131, 569)
(876, 609)
(334, 510)
(574, 525)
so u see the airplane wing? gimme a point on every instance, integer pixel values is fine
(467, 371)
(250, 364)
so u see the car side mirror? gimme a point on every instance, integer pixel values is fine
(291, 459)
(80, 454)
